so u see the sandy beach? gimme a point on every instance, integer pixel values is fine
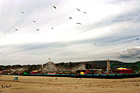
(38, 84)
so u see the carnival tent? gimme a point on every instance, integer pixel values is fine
(121, 68)
(34, 72)
(82, 73)
(124, 71)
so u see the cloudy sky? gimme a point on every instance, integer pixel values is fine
(31, 31)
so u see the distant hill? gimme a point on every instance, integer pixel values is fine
(100, 64)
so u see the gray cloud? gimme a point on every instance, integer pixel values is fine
(130, 53)
(80, 44)
(117, 1)
(133, 16)
(130, 16)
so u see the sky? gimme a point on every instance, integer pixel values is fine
(32, 31)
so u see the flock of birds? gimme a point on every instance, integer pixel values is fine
(52, 27)
(68, 18)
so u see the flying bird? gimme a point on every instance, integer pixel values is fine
(54, 7)
(37, 29)
(78, 9)
(137, 38)
(52, 28)
(22, 12)
(70, 17)
(34, 21)
(79, 23)
(16, 29)
(85, 12)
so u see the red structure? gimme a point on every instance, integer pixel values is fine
(34, 72)
(87, 71)
(108, 67)
(125, 71)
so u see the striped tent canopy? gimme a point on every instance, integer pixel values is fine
(124, 71)
(121, 68)
(35, 71)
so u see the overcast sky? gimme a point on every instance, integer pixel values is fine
(31, 31)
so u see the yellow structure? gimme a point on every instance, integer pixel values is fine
(82, 73)
(121, 68)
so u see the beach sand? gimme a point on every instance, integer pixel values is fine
(43, 84)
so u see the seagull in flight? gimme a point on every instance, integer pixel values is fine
(22, 12)
(34, 21)
(79, 23)
(85, 12)
(54, 7)
(70, 17)
(16, 29)
(137, 38)
(37, 29)
(78, 9)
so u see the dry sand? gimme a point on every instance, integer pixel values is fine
(38, 84)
